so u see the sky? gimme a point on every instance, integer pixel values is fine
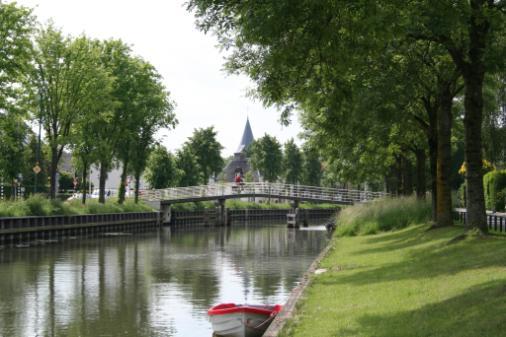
(164, 33)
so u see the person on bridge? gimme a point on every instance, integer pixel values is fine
(238, 181)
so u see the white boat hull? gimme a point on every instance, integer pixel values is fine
(240, 324)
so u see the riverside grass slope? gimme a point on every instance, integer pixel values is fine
(409, 282)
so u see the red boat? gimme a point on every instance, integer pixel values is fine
(236, 320)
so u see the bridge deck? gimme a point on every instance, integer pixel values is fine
(260, 190)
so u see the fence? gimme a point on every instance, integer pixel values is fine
(496, 221)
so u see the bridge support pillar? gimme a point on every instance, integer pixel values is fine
(166, 216)
(293, 216)
(221, 214)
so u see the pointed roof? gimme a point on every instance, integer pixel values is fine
(247, 137)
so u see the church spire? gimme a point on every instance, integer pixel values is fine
(247, 137)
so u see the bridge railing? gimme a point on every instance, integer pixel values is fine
(275, 190)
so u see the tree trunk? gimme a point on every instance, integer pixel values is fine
(444, 125)
(53, 169)
(473, 102)
(432, 142)
(398, 175)
(84, 186)
(137, 184)
(420, 174)
(122, 186)
(474, 74)
(101, 183)
(407, 176)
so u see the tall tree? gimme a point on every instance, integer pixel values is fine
(161, 170)
(189, 173)
(85, 134)
(312, 166)
(66, 78)
(207, 150)
(115, 57)
(472, 33)
(324, 57)
(155, 110)
(292, 163)
(267, 157)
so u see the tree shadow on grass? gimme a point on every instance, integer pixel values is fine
(396, 235)
(408, 238)
(478, 312)
(431, 261)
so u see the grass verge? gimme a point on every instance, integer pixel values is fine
(382, 215)
(41, 206)
(410, 282)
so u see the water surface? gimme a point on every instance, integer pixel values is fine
(150, 284)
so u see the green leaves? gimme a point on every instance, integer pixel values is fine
(207, 150)
(16, 25)
(161, 169)
(266, 157)
(292, 163)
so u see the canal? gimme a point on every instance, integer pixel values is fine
(158, 283)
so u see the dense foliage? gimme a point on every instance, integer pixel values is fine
(207, 150)
(379, 99)
(92, 98)
(495, 190)
(266, 157)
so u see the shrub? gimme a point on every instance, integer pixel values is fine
(38, 205)
(461, 195)
(382, 215)
(494, 184)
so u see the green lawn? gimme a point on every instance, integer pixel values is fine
(410, 282)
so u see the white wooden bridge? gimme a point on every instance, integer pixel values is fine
(221, 192)
(225, 191)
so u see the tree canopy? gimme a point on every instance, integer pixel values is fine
(267, 157)
(207, 150)
(359, 83)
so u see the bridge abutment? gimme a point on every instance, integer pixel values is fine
(221, 214)
(166, 210)
(296, 216)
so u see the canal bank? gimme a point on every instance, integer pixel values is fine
(409, 282)
(48, 229)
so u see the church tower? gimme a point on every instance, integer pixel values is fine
(240, 163)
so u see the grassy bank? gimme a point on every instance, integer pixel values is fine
(239, 204)
(407, 282)
(382, 215)
(40, 206)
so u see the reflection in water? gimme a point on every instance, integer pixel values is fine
(150, 284)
